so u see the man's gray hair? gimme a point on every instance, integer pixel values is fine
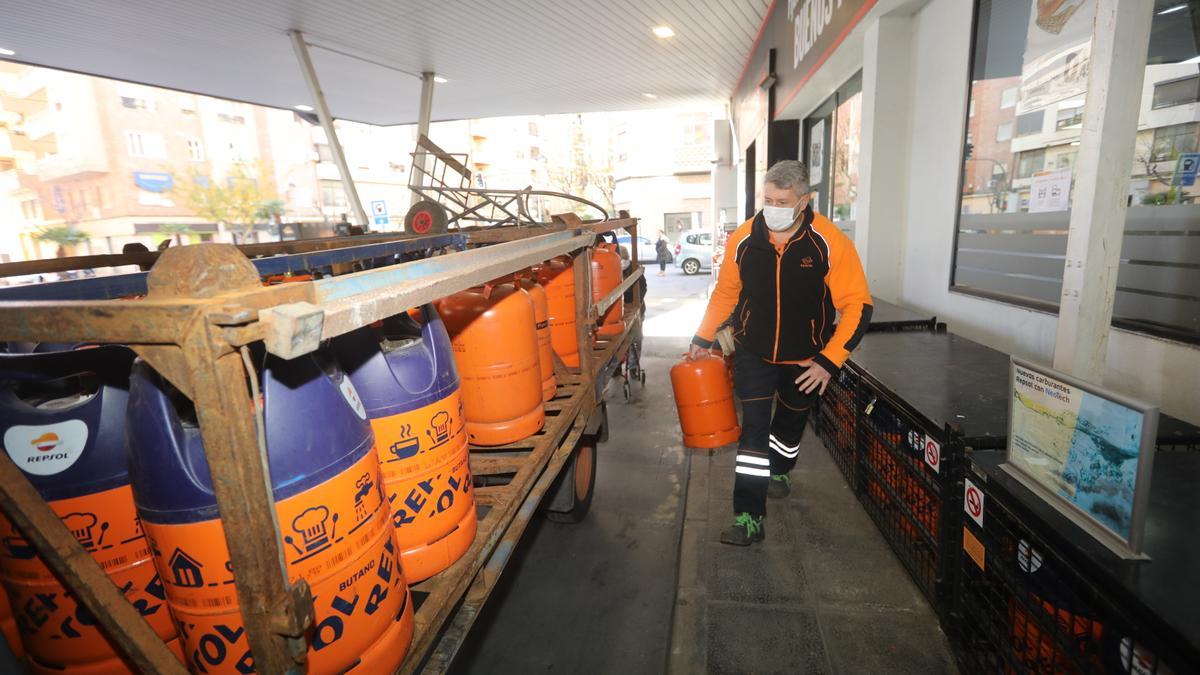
(789, 173)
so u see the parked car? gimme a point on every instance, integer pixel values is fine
(646, 253)
(694, 252)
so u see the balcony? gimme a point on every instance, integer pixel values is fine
(58, 167)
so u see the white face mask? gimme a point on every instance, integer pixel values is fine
(779, 218)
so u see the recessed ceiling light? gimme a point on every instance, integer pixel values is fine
(664, 31)
(303, 108)
(1176, 8)
(439, 79)
(650, 95)
(6, 52)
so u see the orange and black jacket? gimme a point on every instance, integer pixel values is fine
(783, 306)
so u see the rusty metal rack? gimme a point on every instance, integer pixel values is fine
(442, 180)
(203, 305)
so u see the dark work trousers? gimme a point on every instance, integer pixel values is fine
(770, 442)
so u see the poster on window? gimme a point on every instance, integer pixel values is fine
(1050, 191)
(816, 153)
(1058, 47)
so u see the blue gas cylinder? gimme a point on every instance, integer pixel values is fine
(62, 416)
(409, 384)
(336, 533)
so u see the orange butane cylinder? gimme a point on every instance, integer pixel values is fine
(64, 427)
(606, 276)
(541, 314)
(8, 626)
(329, 502)
(705, 402)
(405, 373)
(558, 278)
(493, 332)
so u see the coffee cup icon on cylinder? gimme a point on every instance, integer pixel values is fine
(407, 446)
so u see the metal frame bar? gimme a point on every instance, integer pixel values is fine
(335, 146)
(204, 303)
(617, 293)
(123, 285)
(424, 115)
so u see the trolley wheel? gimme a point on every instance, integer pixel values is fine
(625, 389)
(426, 217)
(581, 472)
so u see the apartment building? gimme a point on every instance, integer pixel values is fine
(663, 163)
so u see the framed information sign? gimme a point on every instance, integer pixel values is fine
(1086, 450)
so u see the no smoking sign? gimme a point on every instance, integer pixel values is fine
(973, 501)
(933, 454)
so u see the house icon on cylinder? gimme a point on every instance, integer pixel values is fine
(185, 570)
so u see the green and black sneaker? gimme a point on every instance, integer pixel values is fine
(780, 486)
(746, 530)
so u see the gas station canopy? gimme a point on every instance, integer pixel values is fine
(506, 57)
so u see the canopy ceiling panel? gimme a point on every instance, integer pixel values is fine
(500, 57)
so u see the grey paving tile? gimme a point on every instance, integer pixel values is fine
(688, 633)
(693, 555)
(751, 639)
(755, 574)
(859, 578)
(902, 643)
(833, 524)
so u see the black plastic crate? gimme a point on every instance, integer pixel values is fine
(1024, 603)
(1175, 435)
(909, 500)
(837, 422)
(887, 318)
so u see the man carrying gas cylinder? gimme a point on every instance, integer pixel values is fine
(788, 272)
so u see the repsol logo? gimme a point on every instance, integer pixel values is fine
(356, 576)
(45, 458)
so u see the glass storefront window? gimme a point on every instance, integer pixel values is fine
(1158, 288)
(847, 136)
(833, 134)
(1028, 90)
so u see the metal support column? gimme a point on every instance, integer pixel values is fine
(335, 146)
(424, 115)
(1097, 225)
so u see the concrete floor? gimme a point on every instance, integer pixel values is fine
(822, 594)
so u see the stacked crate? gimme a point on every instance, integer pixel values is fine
(904, 488)
(1028, 600)
(901, 449)
(908, 421)
(837, 422)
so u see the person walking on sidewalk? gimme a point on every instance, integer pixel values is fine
(786, 272)
(662, 248)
